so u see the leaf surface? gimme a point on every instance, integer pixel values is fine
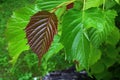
(114, 37)
(93, 3)
(40, 31)
(50, 4)
(118, 1)
(78, 44)
(15, 33)
(102, 24)
(98, 67)
(17, 43)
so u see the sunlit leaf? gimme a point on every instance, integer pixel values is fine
(54, 58)
(93, 3)
(15, 33)
(49, 4)
(118, 1)
(56, 46)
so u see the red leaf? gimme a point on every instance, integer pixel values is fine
(69, 6)
(40, 31)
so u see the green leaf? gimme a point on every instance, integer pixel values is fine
(105, 75)
(94, 56)
(78, 5)
(49, 4)
(118, 1)
(75, 39)
(111, 52)
(109, 4)
(93, 3)
(59, 13)
(103, 24)
(113, 37)
(54, 58)
(54, 49)
(15, 30)
(108, 61)
(81, 29)
(97, 55)
(98, 67)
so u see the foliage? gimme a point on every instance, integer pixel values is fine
(5, 13)
(80, 46)
(12, 30)
(88, 37)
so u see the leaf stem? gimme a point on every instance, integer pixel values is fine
(84, 5)
(83, 10)
(103, 5)
(62, 4)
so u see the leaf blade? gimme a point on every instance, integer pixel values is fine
(15, 33)
(40, 31)
(81, 43)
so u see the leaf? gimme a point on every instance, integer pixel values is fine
(59, 13)
(111, 55)
(40, 31)
(93, 3)
(82, 33)
(118, 1)
(15, 31)
(109, 4)
(56, 46)
(54, 58)
(75, 39)
(69, 6)
(113, 37)
(103, 24)
(111, 52)
(50, 4)
(98, 67)
(94, 56)
(106, 75)
(108, 61)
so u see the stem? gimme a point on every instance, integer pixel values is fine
(83, 5)
(103, 5)
(83, 10)
(62, 4)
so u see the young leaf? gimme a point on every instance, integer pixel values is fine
(69, 6)
(40, 31)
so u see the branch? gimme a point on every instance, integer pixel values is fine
(62, 4)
